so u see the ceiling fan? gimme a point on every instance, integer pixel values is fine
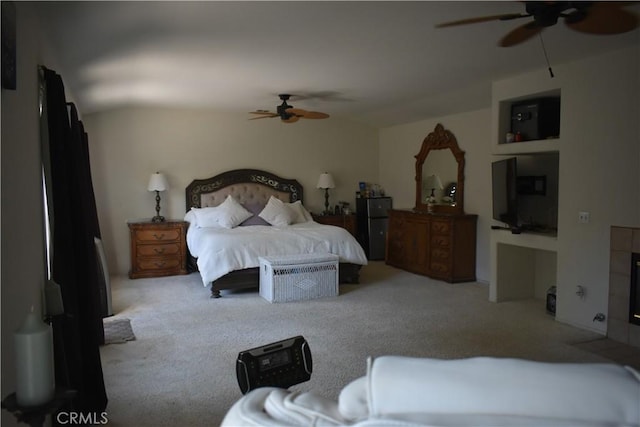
(593, 17)
(287, 113)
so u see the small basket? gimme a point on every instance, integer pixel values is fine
(298, 277)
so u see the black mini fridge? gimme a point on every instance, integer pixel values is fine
(372, 214)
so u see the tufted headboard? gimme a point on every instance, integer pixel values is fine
(250, 187)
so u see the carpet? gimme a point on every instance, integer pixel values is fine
(118, 331)
(180, 370)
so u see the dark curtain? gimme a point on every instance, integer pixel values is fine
(78, 333)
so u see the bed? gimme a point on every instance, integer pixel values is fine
(225, 247)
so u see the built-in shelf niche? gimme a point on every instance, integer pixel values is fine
(500, 146)
(525, 265)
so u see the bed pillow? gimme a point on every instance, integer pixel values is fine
(300, 214)
(277, 213)
(232, 213)
(228, 214)
(191, 218)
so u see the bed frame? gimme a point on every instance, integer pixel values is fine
(248, 186)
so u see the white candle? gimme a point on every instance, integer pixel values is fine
(35, 383)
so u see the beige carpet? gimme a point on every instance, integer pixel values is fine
(180, 371)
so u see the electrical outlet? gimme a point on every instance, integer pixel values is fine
(583, 217)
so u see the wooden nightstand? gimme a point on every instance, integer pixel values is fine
(158, 248)
(348, 222)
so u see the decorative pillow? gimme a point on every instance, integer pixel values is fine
(277, 213)
(228, 214)
(255, 209)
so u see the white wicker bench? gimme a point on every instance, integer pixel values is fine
(298, 277)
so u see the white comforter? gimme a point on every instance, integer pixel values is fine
(220, 250)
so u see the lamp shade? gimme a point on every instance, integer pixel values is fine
(326, 181)
(158, 182)
(433, 182)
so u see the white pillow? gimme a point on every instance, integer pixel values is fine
(228, 214)
(277, 213)
(191, 217)
(300, 214)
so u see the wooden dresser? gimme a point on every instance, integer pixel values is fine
(158, 248)
(438, 245)
(347, 222)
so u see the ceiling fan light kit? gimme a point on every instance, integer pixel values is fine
(287, 113)
(591, 17)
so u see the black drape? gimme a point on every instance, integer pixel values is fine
(78, 333)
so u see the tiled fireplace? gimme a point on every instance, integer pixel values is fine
(625, 242)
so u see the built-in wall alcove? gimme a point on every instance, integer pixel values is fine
(537, 190)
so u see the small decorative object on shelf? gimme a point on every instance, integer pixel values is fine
(518, 137)
(509, 137)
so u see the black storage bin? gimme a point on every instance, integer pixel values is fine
(537, 118)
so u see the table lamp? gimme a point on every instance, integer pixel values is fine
(157, 183)
(326, 182)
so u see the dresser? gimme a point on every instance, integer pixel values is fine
(158, 248)
(348, 222)
(438, 245)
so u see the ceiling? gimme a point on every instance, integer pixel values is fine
(380, 63)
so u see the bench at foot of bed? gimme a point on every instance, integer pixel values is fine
(250, 278)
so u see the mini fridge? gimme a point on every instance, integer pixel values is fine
(372, 214)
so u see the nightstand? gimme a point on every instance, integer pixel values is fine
(158, 248)
(348, 222)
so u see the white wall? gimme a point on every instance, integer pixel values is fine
(599, 173)
(23, 267)
(399, 145)
(128, 145)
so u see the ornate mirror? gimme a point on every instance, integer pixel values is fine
(440, 174)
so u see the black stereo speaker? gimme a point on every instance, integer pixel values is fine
(537, 118)
(279, 364)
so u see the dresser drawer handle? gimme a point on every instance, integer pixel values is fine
(158, 237)
(160, 264)
(159, 251)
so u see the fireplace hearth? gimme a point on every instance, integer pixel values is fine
(623, 320)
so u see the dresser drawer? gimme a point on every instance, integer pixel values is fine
(440, 227)
(158, 249)
(439, 269)
(442, 255)
(441, 241)
(158, 234)
(157, 264)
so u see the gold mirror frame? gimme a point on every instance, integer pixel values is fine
(440, 139)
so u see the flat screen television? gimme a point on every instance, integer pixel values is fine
(504, 181)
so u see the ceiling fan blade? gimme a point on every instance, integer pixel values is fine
(520, 34)
(263, 112)
(307, 114)
(264, 117)
(503, 17)
(315, 115)
(604, 18)
(291, 119)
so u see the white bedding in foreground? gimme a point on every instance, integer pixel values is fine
(220, 250)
